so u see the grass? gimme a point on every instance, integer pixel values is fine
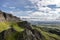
(17, 28)
(4, 26)
(11, 35)
(47, 35)
(15, 35)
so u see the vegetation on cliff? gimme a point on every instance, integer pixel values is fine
(12, 29)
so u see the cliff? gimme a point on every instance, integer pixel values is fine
(12, 28)
(8, 17)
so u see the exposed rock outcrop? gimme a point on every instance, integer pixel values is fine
(27, 34)
(9, 17)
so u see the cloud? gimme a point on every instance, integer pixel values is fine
(45, 12)
(44, 16)
(40, 16)
(23, 5)
(35, 9)
(42, 3)
(19, 13)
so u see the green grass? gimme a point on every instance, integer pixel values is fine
(15, 35)
(12, 35)
(4, 26)
(47, 35)
(17, 28)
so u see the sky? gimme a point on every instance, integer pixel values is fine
(36, 10)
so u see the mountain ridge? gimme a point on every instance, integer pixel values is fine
(12, 28)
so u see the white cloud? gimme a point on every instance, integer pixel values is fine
(39, 4)
(21, 14)
(46, 2)
(57, 10)
(44, 16)
(44, 13)
(40, 16)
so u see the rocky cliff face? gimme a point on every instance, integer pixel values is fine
(9, 17)
(27, 34)
(1, 17)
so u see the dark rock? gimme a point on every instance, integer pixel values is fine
(8, 17)
(55, 31)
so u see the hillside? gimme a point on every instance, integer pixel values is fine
(12, 28)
